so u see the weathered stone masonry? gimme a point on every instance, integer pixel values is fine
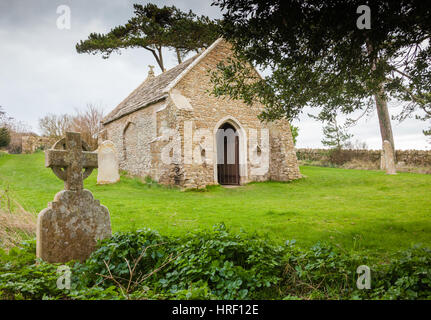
(178, 101)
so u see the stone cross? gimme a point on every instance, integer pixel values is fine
(151, 71)
(68, 158)
(69, 228)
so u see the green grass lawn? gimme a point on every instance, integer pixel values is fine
(357, 210)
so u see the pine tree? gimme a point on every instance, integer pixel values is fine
(153, 28)
(335, 136)
(295, 132)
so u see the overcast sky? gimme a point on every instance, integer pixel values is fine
(41, 72)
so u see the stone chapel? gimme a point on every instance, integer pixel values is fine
(174, 131)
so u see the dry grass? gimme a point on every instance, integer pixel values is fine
(16, 224)
(361, 165)
(422, 170)
(366, 165)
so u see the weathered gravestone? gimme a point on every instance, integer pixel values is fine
(388, 153)
(108, 163)
(73, 223)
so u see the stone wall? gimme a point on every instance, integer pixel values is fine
(208, 112)
(414, 158)
(284, 164)
(143, 140)
(31, 143)
(132, 136)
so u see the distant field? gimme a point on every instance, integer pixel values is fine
(357, 210)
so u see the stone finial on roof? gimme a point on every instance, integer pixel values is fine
(151, 72)
(150, 91)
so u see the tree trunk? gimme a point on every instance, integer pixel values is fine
(383, 114)
(385, 126)
(158, 57)
(159, 49)
(178, 56)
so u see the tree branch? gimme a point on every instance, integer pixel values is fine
(159, 61)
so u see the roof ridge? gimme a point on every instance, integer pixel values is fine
(155, 89)
(196, 60)
(117, 108)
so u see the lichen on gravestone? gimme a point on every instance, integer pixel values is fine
(69, 228)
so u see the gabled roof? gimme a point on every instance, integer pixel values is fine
(155, 89)
(149, 92)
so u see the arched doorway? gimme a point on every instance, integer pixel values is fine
(228, 155)
(130, 136)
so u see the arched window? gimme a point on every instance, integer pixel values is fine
(129, 139)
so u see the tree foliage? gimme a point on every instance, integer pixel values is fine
(295, 132)
(55, 126)
(87, 122)
(319, 58)
(4, 137)
(335, 135)
(5, 120)
(16, 129)
(154, 28)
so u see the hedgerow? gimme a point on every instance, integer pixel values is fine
(215, 264)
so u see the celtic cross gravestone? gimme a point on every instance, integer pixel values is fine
(69, 228)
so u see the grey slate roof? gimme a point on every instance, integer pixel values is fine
(149, 92)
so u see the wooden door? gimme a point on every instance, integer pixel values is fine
(228, 170)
